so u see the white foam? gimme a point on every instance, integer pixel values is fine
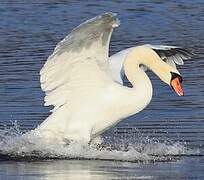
(13, 142)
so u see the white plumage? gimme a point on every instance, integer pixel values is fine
(88, 95)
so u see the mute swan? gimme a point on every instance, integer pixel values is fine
(87, 93)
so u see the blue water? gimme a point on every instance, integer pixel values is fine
(171, 128)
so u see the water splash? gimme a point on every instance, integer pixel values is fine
(14, 145)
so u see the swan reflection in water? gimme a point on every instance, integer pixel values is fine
(72, 169)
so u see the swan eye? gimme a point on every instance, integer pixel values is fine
(175, 75)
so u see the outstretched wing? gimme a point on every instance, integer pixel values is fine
(78, 65)
(171, 54)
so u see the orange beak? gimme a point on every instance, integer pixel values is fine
(176, 85)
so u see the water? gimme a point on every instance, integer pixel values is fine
(165, 141)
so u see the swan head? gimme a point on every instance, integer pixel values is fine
(173, 78)
(168, 74)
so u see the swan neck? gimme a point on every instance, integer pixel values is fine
(136, 76)
(141, 93)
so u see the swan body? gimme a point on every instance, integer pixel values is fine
(85, 86)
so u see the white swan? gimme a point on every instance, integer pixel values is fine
(88, 95)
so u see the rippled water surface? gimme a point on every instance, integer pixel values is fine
(165, 141)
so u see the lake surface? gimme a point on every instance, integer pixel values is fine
(165, 141)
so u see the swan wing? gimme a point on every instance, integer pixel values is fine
(78, 65)
(173, 55)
